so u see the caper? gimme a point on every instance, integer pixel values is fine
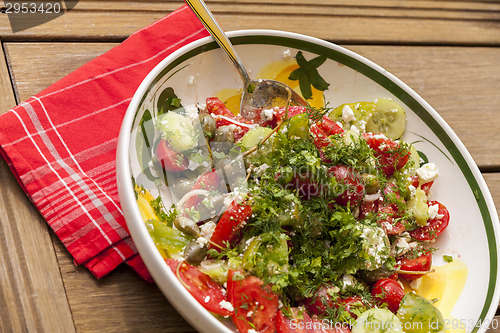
(186, 225)
(194, 253)
(211, 206)
(371, 277)
(372, 184)
(208, 124)
(180, 186)
(224, 134)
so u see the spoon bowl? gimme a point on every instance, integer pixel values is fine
(257, 94)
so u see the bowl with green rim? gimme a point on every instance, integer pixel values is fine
(200, 70)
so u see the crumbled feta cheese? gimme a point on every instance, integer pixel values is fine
(347, 114)
(427, 172)
(348, 280)
(433, 212)
(207, 229)
(415, 284)
(362, 126)
(267, 114)
(202, 241)
(355, 129)
(207, 299)
(251, 330)
(191, 111)
(259, 171)
(412, 189)
(226, 305)
(287, 54)
(250, 314)
(191, 80)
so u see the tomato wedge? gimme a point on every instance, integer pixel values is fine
(230, 223)
(422, 263)
(435, 226)
(349, 179)
(207, 181)
(216, 106)
(388, 152)
(170, 160)
(255, 305)
(298, 322)
(329, 126)
(292, 111)
(320, 302)
(389, 292)
(426, 187)
(205, 290)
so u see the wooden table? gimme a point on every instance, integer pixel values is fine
(448, 51)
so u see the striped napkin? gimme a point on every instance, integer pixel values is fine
(61, 144)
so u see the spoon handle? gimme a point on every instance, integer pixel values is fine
(206, 17)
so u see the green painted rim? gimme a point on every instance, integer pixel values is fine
(399, 92)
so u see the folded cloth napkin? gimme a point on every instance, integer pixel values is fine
(61, 144)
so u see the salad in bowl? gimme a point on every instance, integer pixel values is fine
(319, 218)
(303, 215)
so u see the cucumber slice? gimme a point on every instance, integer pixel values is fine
(419, 315)
(254, 136)
(388, 117)
(377, 321)
(418, 206)
(361, 111)
(178, 131)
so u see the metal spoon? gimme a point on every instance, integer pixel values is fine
(257, 94)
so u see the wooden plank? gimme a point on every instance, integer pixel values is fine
(425, 22)
(39, 68)
(493, 182)
(7, 98)
(120, 302)
(459, 82)
(32, 294)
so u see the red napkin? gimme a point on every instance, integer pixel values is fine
(61, 144)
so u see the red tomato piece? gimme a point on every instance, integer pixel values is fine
(388, 291)
(300, 322)
(205, 290)
(207, 181)
(216, 106)
(434, 226)
(351, 180)
(225, 117)
(366, 207)
(170, 160)
(422, 264)
(292, 111)
(353, 305)
(320, 302)
(230, 223)
(388, 152)
(306, 186)
(320, 138)
(320, 326)
(426, 187)
(387, 214)
(330, 127)
(255, 305)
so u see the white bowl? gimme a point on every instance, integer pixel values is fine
(473, 233)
